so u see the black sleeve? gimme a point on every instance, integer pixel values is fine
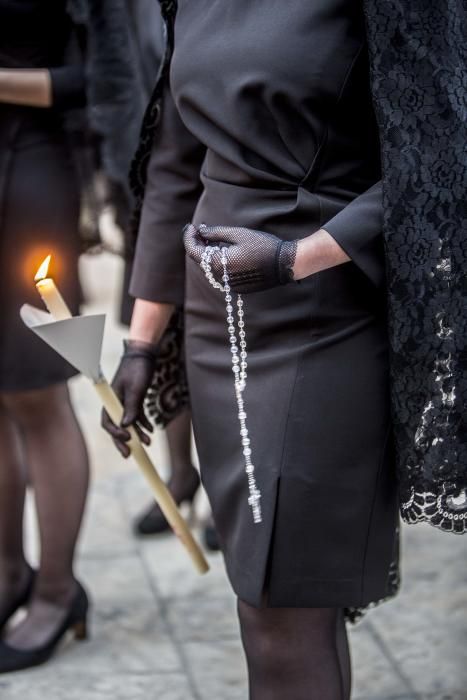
(172, 192)
(68, 87)
(358, 231)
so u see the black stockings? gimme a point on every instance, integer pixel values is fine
(40, 436)
(295, 653)
(13, 570)
(184, 477)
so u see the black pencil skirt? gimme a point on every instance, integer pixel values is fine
(39, 213)
(317, 402)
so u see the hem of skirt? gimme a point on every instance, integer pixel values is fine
(40, 383)
(306, 593)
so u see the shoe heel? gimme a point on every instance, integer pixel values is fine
(80, 630)
(188, 512)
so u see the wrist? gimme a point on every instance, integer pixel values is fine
(285, 261)
(149, 320)
(138, 348)
(305, 259)
(317, 252)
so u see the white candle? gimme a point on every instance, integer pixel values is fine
(51, 297)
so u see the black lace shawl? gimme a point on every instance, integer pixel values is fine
(418, 53)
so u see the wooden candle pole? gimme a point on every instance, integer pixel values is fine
(60, 311)
(162, 495)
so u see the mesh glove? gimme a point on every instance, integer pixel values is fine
(255, 260)
(131, 383)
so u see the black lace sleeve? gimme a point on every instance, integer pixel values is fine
(419, 79)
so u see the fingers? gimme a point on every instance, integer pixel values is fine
(197, 237)
(144, 421)
(144, 437)
(217, 265)
(122, 447)
(132, 407)
(119, 435)
(194, 244)
(115, 431)
(218, 234)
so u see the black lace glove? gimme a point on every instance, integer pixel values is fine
(131, 383)
(255, 260)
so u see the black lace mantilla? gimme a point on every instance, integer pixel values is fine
(419, 82)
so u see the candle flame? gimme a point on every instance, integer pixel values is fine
(41, 274)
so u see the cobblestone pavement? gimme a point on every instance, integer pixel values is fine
(161, 632)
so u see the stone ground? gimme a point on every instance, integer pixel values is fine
(161, 632)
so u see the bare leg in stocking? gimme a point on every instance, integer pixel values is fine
(343, 651)
(14, 576)
(293, 653)
(58, 466)
(184, 478)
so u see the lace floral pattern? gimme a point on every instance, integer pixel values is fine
(419, 82)
(168, 394)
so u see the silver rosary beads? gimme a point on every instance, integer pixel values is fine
(238, 348)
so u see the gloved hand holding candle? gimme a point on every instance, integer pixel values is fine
(79, 340)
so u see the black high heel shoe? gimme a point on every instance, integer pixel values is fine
(153, 522)
(211, 540)
(21, 600)
(12, 659)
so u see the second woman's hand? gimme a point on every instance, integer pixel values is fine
(131, 383)
(136, 370)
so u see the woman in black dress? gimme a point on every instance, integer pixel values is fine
(267, 124)
(54, 57)
(40, 439)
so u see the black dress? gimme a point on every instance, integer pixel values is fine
(279, 135)
(39, 190)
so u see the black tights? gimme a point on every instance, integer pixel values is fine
(295, 653)
(41, 443)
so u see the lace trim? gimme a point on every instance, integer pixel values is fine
(446, 511)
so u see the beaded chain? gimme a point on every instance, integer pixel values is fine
(239, 367)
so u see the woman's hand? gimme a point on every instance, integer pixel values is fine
(136, 370)
(131, 383)
(255, 260)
